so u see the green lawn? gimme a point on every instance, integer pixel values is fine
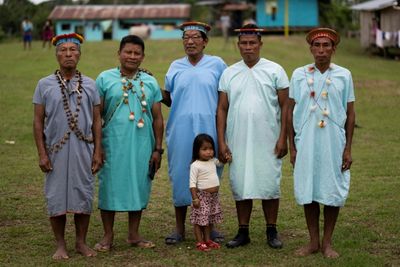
(368, 229)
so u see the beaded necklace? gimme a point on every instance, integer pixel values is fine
(127, 86)
(72, 117)
(323, 107)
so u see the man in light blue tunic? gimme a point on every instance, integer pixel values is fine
(67, 130)
(251, 124)
(132, 143)
(191, 90)
(321, 123)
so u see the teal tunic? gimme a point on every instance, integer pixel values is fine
(253, 127)
(317, 174)
(124, 184)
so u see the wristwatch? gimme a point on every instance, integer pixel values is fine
(159, 150)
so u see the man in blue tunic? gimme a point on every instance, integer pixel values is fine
(132, 141)
(67, 130)
(321, 121)
(191, 90)
(251, 124)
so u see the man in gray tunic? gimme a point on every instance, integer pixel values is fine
(67, 130)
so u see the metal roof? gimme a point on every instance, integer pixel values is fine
(374, 5)
(178, 11)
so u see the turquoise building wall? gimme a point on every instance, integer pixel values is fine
(302, 13)
(93, 29)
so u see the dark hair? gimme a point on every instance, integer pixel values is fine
(251, 26)
(198, 141)
(131, 39)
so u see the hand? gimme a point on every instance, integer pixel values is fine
(224, 153)
(281, 148)
(45, 164)
(97, 161)
(196, 203)
(156, 158)
(347, 160)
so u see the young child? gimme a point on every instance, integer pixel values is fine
(204, 185)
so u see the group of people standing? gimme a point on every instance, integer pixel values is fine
(240, 115)
(27, 33)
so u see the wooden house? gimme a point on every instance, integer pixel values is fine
(379, 23)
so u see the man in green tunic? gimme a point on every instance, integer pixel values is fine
(132, 143)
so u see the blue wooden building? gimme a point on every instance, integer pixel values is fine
(303, 14)
(99, 22)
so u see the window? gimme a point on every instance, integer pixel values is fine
(65, 26)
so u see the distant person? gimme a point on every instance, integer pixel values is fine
(132, 141)
(321, 121)
(204, 186)
(191, 90)
(67, 130)
(47, 33)
(251, 124)
(27, 29)
(225, 25)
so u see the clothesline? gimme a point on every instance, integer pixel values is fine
(387, 39)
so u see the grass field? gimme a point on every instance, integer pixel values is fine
(368, 229)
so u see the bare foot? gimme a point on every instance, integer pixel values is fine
(328, 252)
(60, 254)
(85, 250)
(307, 250)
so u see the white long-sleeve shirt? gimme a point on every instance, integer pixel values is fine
(203, 174)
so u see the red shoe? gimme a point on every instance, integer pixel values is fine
(212, 244)
(201, 246)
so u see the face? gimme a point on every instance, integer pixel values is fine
(322, 49)
(130, 57)
(206, 151)
(68, 55)
(249, 46)
(193, 43)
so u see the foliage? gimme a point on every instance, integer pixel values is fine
(367, 232)
(12, 12)
(335, 14)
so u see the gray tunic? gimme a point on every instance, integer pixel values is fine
(70, 185)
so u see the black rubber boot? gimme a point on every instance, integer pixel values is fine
(242, 238)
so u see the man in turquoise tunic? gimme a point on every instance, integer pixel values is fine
(321, 121)
(67, 130)
(191, 90)
(251, 124)
(132, 143)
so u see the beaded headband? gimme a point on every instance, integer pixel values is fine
(249, 31)
(323, 32)
(195, 25)
(67, 38)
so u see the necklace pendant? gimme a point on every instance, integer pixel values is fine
(125, 94)
(140, 124)
(322, 124)
(131, 116)
(313, 108)
(126, 101)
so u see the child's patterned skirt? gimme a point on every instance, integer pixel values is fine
(209, 212)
